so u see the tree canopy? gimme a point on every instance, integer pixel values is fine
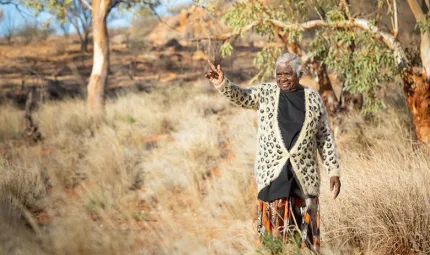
(353, 51)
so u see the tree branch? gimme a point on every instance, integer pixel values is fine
(396, 21)
(223, 37)
(417, 11)
(11, 2)
(86, 4)
(114, 4)
(363, 24)
(345, 6)
(388, 39)
(152, 7)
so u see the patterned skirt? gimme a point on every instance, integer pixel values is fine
(288, 217)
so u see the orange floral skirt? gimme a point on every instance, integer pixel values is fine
(284, 217)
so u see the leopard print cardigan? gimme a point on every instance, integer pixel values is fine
(271, 154)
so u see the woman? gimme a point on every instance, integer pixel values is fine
(292, 126)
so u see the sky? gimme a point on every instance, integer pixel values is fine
(123, 19)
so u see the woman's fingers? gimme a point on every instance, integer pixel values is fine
(212, 75)
(215, 75)
(336, 190)
(212, 66)
(335, 186)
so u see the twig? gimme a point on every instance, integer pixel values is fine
(4, 2)
(396, 22)
(31, 129)
(319, 14)
(28, 217)
(209, 14)
(159, 17)
(87, 4)
(223, 37)
(345, 7)
(417, 11)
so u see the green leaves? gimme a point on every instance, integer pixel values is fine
(226, 49)
(423, 26)
(241, 14)
(335, 15)
(265, 62)
(58, 8)
(362, 61)
(35, 5)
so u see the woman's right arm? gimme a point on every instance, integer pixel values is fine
(248, 97)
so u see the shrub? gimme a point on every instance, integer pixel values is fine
(31, 32)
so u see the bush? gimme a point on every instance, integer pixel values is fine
(31, 32)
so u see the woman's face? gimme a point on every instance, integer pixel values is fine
(286, 78)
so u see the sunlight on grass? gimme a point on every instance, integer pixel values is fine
(171, 172)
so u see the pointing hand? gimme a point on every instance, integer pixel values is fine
(215, 75)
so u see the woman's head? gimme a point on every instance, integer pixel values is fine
(288, 71)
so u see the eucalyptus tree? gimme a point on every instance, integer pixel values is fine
(100, 9)
(99, 75)
(358, 48)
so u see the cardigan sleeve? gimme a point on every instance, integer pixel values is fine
(326, 144)
(248, 97)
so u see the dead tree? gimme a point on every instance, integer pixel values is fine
(31, 130)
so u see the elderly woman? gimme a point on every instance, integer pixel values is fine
(292, 126)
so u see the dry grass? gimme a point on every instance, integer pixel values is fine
(171, 172)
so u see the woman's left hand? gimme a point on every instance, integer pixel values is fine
(335, 186)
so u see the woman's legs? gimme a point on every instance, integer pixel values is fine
(284, 217)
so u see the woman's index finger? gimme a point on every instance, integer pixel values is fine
(212, 66)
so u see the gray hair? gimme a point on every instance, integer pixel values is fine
(292, 60)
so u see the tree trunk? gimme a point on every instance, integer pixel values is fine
(84, 43)
(417, 80)
(419, 99)
(417, 92)
(99, 73)
(325, 88)
(31, 130)
(425, 52)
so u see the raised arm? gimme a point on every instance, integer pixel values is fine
(245, 97)
(327, 149)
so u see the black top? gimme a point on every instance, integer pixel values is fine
(291, 115)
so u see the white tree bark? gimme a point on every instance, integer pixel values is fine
(99, 74)
(420, 16)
